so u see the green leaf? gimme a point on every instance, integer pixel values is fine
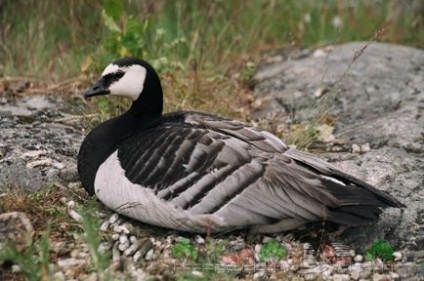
(110, 23)
(272, 249)
(113, 8)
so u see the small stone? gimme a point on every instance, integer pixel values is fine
(131, 249)
(380, 277)
(70, 204)
(115, 236)
(356, 148)
(113, 218)
(137, 256)
(59, 276)
(358, 258)
(397, 256)
(199, 240)
(149, 255)
(16, 268)
(121, 229)
(116, 256)
(133, 239)
(70, 262)
(394, 276)
(341, 277)
(104, 226)
(58, 165)
(365, 147)
(74, 215)
(38, 163)
(310, 276)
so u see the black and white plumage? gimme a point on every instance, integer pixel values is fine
(197, 172)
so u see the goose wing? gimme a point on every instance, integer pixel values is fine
(216, 166)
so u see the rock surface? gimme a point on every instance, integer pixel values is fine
(375, 94)
(35, 146)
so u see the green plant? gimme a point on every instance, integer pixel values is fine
(380, 249)
(91, 226)
(184, 250)
(33, 261)
(272, 250)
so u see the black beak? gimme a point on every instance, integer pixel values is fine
(97, 90)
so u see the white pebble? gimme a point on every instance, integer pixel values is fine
(199, 240)
(358, 258)
(137, 256)
(365, 147)
(123, 247)
(123, 239)
(149, 255)
(69, 262)
(133, 239)
(310, 276)
(356, 148)
(397, 256)
(115, 236)
(70, 204)
(131, 249)
(113, 218)
(115, 252)
(341, 277)
(16, 268)
(74, 215)
(121, 229)
(104, 226)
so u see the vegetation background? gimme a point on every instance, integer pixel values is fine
(206, 53)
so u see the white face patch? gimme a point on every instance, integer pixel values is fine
(131, 84)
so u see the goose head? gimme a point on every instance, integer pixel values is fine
(132, 78)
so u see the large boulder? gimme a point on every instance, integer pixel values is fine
(374, 92)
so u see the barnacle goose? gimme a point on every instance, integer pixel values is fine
(197, 172)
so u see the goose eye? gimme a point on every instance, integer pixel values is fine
(113, 77)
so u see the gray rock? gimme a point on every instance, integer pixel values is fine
(34, 149)
(375, 92)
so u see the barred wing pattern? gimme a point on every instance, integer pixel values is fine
(223, 169)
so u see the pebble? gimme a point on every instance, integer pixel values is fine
(121, 229)
(365, 147)
(149, 255)
(116, 256)
(356, 148)
(199, 240)
(70, 262)
(381, 277)
(341, 277)
(137, 256)
(131, 249)
(115, 236)
(358, 258)
(38, 163)
(310, 276)
(397, 256)
(104, 226)
(74, 215)
(113, 218)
